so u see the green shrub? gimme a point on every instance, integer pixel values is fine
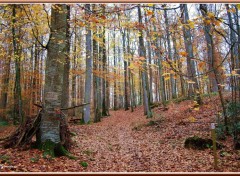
(220, 129)
(84, 164)
(3, 123)
(4, 159)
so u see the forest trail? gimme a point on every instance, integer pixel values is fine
(113, 143)
(128, 142)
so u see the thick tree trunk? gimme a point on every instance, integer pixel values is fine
(53, 89)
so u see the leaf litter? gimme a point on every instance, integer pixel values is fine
(128, 142)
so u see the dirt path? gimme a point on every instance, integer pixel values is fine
(112, 143)
(123, 142)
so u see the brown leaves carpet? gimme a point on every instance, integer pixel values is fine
(128, 142)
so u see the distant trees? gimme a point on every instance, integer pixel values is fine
(115, 56)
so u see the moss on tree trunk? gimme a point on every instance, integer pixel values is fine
(52, 150)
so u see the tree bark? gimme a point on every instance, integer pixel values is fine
(126, 101)
(208, 34)
(88, 79)
(18, 113)
(189, 49)
(53, 88)
(65, 94)
(105, 110)
(173, 83)
(142, 53)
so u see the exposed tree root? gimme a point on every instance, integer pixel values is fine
(52, 150)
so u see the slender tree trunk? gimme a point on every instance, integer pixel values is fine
(161, 82)
(189, 49)
(18, 113)
(233, 52)
(5, 84)
(115, 101)
(73, 93)
(176, 58)
(126, 103)
(88, 79)
(65, 94)
(130, 85)
(149, 61)
(173, 83)
(105, 111)
(107, 77)
(208, 34)
(142, 53)
(35, 81)
(96, 79)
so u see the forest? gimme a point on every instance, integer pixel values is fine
(113, 87)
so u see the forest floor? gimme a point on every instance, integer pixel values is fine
(128, 142)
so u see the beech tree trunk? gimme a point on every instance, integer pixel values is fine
(105, 110)
(53, 88)
(88, 80)
(189, 49)
(207, 32)
(65, 95)
(173, 83)
(142, 53)
(115, 100)
(126, 100)
(18, 113)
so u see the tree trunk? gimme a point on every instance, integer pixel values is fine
(105, 111)
(18, 114)
(65, 94)
(73, 93)
(207, 32)
(5, 84)
(189, 49)
(142, 53)
(88, 80)
(96, 79)
(234, 60)
(173, 83)
(115, 100)
(126, 103)
(149, 60)
(53, 88)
